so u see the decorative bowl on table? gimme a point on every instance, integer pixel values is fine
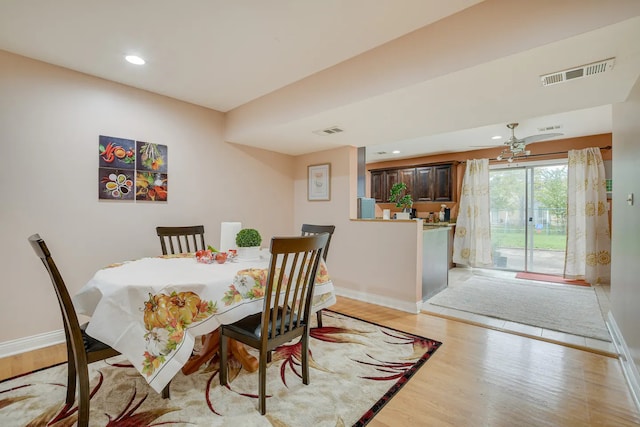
(221, 257)
(205, 256)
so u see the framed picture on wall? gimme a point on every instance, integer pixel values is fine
(319, 182)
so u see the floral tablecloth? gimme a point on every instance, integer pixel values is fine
(151, 310)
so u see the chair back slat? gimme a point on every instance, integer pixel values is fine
(290, 283)
(178, 240)
(312, 229)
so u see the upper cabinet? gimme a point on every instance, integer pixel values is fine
(442, 183)
(428, 183)
(424, 184)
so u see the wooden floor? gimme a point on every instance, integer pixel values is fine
(478, 377)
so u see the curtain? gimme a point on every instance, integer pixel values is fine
(588, 239)
(472, 240)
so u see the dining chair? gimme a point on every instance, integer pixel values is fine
(286, 307)
(310, 229)
(82, 349)
(181, 239)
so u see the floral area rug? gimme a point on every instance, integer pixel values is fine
(355, 368)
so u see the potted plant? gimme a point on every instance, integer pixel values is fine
(248, 241)
(401, 200)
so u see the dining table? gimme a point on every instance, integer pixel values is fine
(154, 310)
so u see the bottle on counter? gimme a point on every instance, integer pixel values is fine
(441, 213)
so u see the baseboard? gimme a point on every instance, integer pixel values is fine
(34, 342)
(380, 300)
(628, 366)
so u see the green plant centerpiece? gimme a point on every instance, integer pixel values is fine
(398, 197)
(248, 241)
(248, 237)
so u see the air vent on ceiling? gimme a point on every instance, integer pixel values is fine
(548, 128)
(328, 131)
(578, 72)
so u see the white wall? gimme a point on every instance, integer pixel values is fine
(374, 261)
(625, 239)
(50, 119)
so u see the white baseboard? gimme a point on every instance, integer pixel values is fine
(34, 342)
(628, 366)
(379, 300)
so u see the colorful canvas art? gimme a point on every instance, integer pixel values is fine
(131, 170)
(151, 186)
(151, 157)
(117, 152)
(115, 184)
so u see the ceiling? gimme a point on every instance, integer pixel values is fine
(419, 76)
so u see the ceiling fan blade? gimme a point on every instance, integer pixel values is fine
(540, 137)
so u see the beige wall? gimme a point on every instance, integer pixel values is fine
(50, 119)
(379, 262)
(625, 255)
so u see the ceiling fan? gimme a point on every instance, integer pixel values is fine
(516, 147)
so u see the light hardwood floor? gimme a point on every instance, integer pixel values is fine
(478, 377)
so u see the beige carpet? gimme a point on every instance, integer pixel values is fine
(356, 368)
(564, 308)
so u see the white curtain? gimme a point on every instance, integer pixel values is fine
(588, 239)
(472, 241)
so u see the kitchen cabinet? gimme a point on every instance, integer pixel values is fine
(425, 183)
(442, 187)
(381, 183)
(377, 186)
(407, 176)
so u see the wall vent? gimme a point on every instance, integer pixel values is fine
(329, 131)
(548, 128)
(578, 72)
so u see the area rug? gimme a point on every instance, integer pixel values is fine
(550, 278)
(571, 309)
(355, 368)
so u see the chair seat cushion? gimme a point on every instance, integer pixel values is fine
(91, 344)
(252, 325)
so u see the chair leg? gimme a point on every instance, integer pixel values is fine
(83, 400)
(305, 357)
(223, 359)
(166, 394)
(262, 383)
(71, 378)
(319, 316)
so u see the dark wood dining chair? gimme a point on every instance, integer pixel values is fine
(286, 309)
(181, 239)
(311, 229)
(82, 349)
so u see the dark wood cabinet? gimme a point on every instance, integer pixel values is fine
(425, 183)
(377, 186)
(442, 188)
(390, 178)
(381, 183)
(408, 177)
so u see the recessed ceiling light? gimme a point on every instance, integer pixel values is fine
(496, 137)
(134, 59)
(396, 152)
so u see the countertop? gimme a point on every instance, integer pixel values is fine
(438, 224)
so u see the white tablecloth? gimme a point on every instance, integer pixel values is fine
(152, 309)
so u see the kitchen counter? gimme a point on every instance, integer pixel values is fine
(435, 259)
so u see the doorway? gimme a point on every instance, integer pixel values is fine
(528, 216)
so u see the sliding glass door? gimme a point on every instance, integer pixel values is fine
(528, 217)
